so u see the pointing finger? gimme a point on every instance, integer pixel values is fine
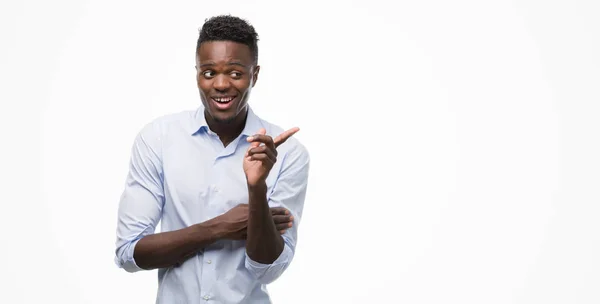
(281, 138)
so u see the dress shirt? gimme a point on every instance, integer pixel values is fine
(181, 174)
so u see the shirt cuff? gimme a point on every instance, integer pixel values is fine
(283, 258)
(125, 258)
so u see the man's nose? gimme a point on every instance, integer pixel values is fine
(221, 83)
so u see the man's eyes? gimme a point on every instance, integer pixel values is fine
(210, 74)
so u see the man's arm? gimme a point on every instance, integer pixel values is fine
(264, 243)
(269, 253)
(167, 249)
(174, 247)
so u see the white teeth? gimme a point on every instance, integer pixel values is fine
(223, 99)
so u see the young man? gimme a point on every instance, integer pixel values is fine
(229, 195)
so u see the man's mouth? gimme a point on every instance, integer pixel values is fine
(223, 99)
(223, 102)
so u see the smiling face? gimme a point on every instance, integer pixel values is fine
(226, 73)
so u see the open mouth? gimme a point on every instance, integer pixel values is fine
(225, 99)
(223, 102)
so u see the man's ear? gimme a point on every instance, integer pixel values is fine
(255, 75)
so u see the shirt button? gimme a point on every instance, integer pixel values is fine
(209, 261)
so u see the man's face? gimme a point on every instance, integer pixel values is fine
(226, 73)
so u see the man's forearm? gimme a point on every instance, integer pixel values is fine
(264, 242)
(166, 249)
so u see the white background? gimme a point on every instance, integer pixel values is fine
(455, 144)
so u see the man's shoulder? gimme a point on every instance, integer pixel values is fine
(175, 121)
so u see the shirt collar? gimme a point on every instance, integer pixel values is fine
(253, 123)
(199, 122)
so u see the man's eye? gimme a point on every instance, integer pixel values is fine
(236, 74)
(208, 74)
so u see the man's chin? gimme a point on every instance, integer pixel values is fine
(223, 118)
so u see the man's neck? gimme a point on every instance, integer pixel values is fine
(227, 131)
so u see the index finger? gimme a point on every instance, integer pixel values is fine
(281, 138)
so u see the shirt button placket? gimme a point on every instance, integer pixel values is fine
(208, 275)
(208, 269)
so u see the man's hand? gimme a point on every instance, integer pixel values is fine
(262, 155)
(235, 221)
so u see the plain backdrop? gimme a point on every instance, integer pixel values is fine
(455, 144)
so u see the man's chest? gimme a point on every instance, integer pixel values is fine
(203, 180)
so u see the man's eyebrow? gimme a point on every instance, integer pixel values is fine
(235, 62)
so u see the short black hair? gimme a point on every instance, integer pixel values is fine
(229, 28)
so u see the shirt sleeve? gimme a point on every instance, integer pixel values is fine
(289, 192)
(141, 203)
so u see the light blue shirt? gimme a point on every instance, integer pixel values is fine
(181, 174)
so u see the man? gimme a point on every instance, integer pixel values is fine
(229, 196)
